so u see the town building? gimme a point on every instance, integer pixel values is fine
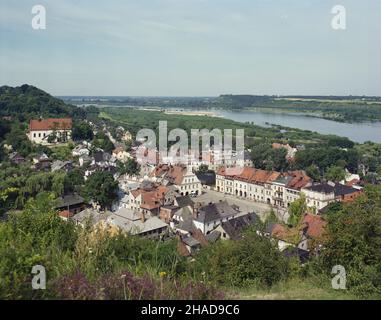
(320, 195)
(122, 155)
(134, 223)
(233, 228)
(184, 180)
(50, 131)
(271, 187)
(207, 218)
(16, 158)
(69, 205)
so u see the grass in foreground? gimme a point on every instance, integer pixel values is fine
(293, 289)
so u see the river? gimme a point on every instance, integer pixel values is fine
(358, 132)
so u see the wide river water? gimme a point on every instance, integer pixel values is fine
(358, 132)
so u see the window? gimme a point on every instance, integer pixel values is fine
(34, 135)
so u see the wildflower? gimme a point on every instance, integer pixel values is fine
(162, 274)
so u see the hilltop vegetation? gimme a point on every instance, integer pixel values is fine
(26, 102)
(82, 264)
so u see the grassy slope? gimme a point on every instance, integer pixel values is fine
(293, 289)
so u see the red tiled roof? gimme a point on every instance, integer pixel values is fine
(173, 173)
(300, 180)
(50, 124)
(315, 224)
(65, 214)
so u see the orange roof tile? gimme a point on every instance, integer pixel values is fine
(315, 224)
(50, 124)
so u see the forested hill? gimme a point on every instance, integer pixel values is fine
(26, 102)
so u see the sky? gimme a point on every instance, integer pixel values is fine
(192, 47)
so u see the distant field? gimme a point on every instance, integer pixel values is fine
(356, 101)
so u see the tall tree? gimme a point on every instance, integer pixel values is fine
(101, 188)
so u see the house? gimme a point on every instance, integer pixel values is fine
(308, 235)
(167, 212)
(285, 237)
(185, 181)
(89, 217)
(149, 197)
(249, 183)
(80, 150)
(291, 152)
(207, 218)
(51, 130)
(61, 165)
(135, 223)
(40, 158)
(191, 242)
(207, 178)
(271, 187)
(42, 162)
(287, 187)
(120, 154)
(320, 195)
(70, 205)
(16, 158)
(85, 160)
(232, 229)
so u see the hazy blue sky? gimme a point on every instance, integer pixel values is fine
(192, 47)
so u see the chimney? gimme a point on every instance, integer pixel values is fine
(142, 217)
(195, 212)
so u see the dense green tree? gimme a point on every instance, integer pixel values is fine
(82, 131)
(297, 209)
(131, 167)
(313, 172)
(335, 173)
(101, 188)
(101, 140)
(251, 260)
(353, 241)
(74, 180)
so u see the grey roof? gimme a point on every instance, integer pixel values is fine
(58, 164)
(128, 214)
(213, 236)
(186, 222)
(216, 211)
(100, 156)
(184, 201)
(234, 227)
(208, 178)
(136, 226)
(337, 188)
(190, 241)
(90, 216)
(283, 179)
(69, 200)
